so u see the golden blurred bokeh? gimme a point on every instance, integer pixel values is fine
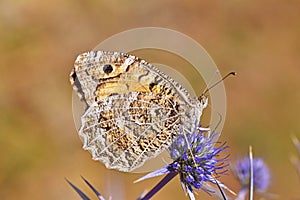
(40, 40)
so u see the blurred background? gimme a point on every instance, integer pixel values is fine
(39, 40)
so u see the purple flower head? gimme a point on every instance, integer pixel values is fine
(196, 159)
(261, 173)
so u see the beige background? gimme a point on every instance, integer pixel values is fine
(40, 40)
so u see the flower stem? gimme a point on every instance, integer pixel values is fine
(160, 185)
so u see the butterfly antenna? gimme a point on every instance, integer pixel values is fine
(222, 79)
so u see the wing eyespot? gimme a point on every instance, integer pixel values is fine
(108, 68)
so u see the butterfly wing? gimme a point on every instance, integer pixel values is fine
(134, 111)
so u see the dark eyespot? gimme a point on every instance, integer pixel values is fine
(107, 68)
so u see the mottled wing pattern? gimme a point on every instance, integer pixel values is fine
(124, 134)
(133, 110)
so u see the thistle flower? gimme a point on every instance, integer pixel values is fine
(261, 175)
(196, 160)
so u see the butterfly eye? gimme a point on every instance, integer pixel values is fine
(108, 68)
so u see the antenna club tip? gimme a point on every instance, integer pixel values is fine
(233, 73)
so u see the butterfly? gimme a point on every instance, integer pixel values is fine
(133, 111)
